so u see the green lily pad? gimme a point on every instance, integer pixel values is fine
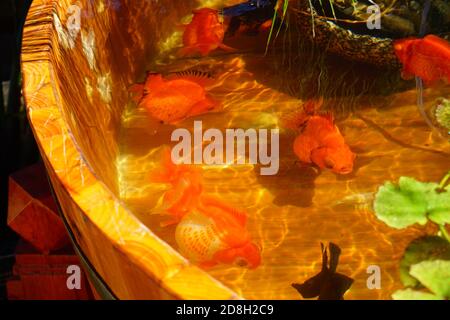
(422, 249)
(403, 205)
(439, 206)
(435, 275)
(409, 294)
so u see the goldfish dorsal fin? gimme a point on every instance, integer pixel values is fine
(295, 120)
(202, 78)
(312, 106)
(236, 214)
(239, 215)
(153, 81)
(166, 172)
(328, 116)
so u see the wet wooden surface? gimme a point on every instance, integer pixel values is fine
(75, 91)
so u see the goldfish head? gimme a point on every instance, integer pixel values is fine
(403, 48)
(248, 256)
(339, 160)
(245, 256)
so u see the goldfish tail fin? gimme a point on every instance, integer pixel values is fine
(167, 170)
(227, 48)
(335, 252)
(324, 257)
(168, 222)
(187, 51)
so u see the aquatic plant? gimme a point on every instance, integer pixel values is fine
(442, 113)
(426, 262)
(412, 201)
(433, 275)
(427, 248)
(274, 20)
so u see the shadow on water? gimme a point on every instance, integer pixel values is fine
(294, 184)
(303, 70)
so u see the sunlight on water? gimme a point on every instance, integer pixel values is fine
(292, 212)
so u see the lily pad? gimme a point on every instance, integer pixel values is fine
(435, 275)
(422, 249)
(409, 294)
(439, 206)
(412, 201)
(403, 205)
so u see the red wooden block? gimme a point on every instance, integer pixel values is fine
(32, 212)
(39, 276)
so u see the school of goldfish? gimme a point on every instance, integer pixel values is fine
(208, 231)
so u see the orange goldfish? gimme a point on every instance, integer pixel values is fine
(320, 141)
(427, 58)
(175, 98)
(204, 34)
(215, 233)
(185, 188)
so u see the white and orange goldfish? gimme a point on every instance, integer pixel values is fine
(215, 233)
(208, 231)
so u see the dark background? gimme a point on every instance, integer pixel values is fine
(17, 145)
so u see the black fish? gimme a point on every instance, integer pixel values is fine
(252, 14)
(243, 8)
(327, 284)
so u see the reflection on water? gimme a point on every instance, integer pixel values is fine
(291, 213)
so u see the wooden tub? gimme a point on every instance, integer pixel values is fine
(79, 59)
(77, 64)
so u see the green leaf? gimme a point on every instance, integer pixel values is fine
(439, 206)
(403, 205)
(422, 249)
(409, 294)
(435, 275)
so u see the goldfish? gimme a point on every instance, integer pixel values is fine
(204, 34)
(185, 187)
(175, 98)
(208, 231)
(427, 58)
(215, 233)
(320, 141)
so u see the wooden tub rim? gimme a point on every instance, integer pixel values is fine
(42, 98)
